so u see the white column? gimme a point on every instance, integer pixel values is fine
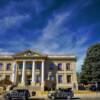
(14, 73)
(33, 72)
(42, 76)
(23, 73)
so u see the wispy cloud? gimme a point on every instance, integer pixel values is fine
(61, 29)
(8, 22)
(57, 38)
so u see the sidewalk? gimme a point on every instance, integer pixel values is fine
(88, 95)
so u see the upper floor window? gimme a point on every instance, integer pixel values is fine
(29, 66)
(8, 66)
(1, 66)
(51, 66)
(60, 66)
(59, 78)
(38, 65)
(68, 66)
(68, 78)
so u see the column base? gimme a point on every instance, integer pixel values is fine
(33, 83)
(42, 87)
(22, 83)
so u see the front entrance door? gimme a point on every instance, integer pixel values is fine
(28, 80)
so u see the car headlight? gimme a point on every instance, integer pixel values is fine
(49, 94)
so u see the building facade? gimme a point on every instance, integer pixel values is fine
(30, 68)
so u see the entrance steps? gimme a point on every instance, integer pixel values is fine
(37, 89)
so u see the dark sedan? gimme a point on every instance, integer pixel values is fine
(61, 94)
(19, 94)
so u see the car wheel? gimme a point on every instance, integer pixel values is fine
(53, 98)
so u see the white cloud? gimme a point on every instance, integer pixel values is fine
(3, 52)
(8, 22)
(57, 38)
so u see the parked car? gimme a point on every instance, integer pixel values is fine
(93, 88)
(81, 87)
(61, 94)
(22, 94)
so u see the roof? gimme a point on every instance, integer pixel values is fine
(32, 53)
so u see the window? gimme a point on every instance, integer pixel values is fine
(51, 77)
(1, 66)
(68, 78)
(68, 66)
(38, 78)
(60, 66)
(59, 78)
(29, 65)
(20, 65)
(51, 66)
(8, 77)
(8, 66)
(38, 65)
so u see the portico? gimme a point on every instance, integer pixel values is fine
(23, 73)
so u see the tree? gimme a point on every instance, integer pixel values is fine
(90, 71)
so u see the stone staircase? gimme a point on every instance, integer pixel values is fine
(37, 89)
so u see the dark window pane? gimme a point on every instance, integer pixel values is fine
(8, 66)
(68, 66)
(29, 66)
(51, 66)
(38, 65)
(68, 78)
(51, 77)
(20, 65)
(1, 66)
(59, 78)
(60, 66)
(38, 78)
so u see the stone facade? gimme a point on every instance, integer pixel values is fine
(30, 68)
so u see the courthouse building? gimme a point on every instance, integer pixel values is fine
(30, 68)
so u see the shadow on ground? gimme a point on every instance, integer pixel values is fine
(76, 98)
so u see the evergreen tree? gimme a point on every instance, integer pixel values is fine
(91, 67)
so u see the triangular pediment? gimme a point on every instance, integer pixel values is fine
(28, 53)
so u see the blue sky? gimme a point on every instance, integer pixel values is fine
(49, 26)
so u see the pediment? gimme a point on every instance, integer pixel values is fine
(28, 53)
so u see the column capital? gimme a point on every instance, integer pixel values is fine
(43, 60)
(24, 60)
